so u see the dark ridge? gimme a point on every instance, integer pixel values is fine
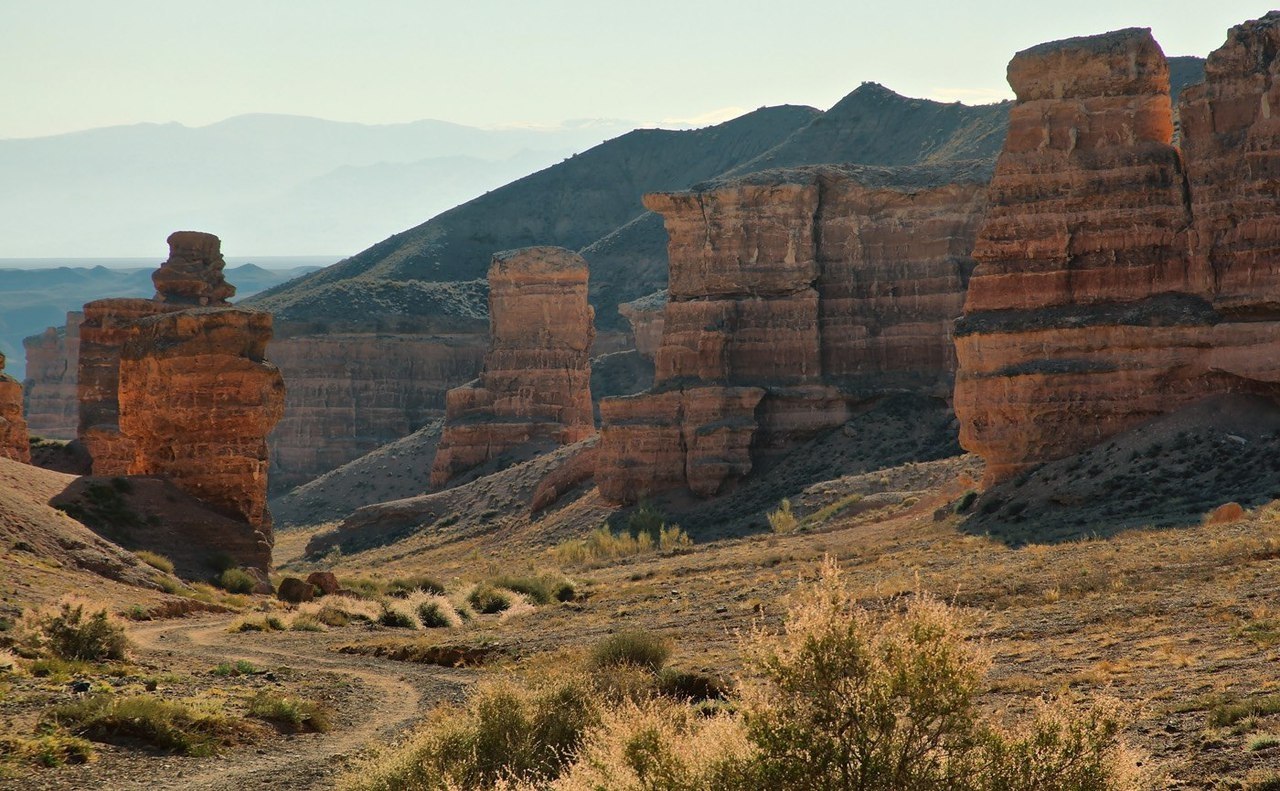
(1162, 310)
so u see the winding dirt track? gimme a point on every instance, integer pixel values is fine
(387, 698)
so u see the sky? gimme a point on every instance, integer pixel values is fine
(68, 65)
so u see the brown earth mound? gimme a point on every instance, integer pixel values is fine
(1168, 472)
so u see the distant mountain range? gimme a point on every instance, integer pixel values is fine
(33, 299)
(267, 184)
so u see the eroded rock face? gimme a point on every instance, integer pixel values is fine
(536, 380)
(104, 331)
(13, 428)
(352, 393)
(646, 316)
(52, 404)
(1106, 289)
(197, 400)
(193, 273)
(793, 295)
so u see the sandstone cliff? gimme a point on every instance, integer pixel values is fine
(13, 428)
(52, 406)
(184, 393)
(793, 294)
(1111, 274)
(536, 379)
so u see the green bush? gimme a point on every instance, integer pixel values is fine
(71, 635)
(489, 600)
(646, 520)
(397, 619)
(639, 649)
(49, 750)
(437, 614)
(237, 581)
(542, 589)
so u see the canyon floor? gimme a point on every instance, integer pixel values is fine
(1180, 623)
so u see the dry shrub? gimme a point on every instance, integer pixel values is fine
(504, 733)
(166, 725)
(437, 612)
(602, 545)
(341, 610)
(659, 745)
(783, 520)
(68, 633)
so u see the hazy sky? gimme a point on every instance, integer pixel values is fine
(75, 64)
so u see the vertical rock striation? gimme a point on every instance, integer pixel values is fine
(52, 405)
(1114, 283)
(14, 443)
(178, 387)
(197, 400)
(793, 295)
(536, 381)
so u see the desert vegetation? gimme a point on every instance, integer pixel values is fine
(842, 698)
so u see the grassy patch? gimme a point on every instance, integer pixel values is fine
(68, 633)
(636, 648)
(155, 560)
(48, 750)
(164, 725)
(240, 667)
(488, 600)
(236, 581)
(292, 714)
(602, 545)
(267, 623)
(826, 512)
(1226, 714)
(783, 520)
(542, 589)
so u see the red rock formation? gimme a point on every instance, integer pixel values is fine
(193, 273)
(52, 406)
(106, 327)
(536, 379)
(13, 428)
(1104, 285)
(197, 400)
(352, 393)
(1232, 146)
(646, 315)
(793, 294)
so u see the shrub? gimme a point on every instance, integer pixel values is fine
(488, 599)
(848, 701)
(397, 618)
(155, 560)
(240, 667)
(403, 586)
(237, 581)
(71, 635)
(48, 750)
(165, 725)
(646, 520)
(306, 622)
(542, 589)
(782, 520)
(602, 545)
(688, 685)
(268, 623)
(640, 649)
(289, 713)
(436, 613)
(504, 733)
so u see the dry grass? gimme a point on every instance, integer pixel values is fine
(602, 545)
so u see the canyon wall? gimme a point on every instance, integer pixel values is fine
(792, 296)
(1114, 282)
(535, 384)
(52, 406)
(351, 393)
(13, 428)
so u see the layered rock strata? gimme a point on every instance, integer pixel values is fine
(793, 295)
(14, 442)
(352, 393)
(1114, 283)
(536, 380)
(192, 275)
(52, 405)
(645, 315)
(197, 400)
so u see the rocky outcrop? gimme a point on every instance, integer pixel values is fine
(793, 294)
(351, 393)
(13, 428)
(184, 393)
(197, 400)
(104, 331)
(192, 275)
(1114, 283)
(645, 315)
(52, 406)
(535, 384)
